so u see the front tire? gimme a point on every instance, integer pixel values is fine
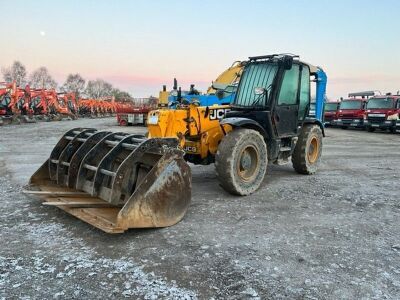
(241, 161)
(370, 129)
(307, 153)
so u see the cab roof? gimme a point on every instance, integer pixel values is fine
(313, 69)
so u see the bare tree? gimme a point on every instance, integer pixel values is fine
(16, 72)
(74, 83)
(121, 95)
(98, 88)
(41, 79)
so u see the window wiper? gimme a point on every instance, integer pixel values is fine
(257, 100)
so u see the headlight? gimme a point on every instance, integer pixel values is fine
(393, 117)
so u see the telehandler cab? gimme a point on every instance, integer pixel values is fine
(117, 181)
(269, 122)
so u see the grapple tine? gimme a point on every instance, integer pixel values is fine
(59, 148)
(79, 155)
(67, 154)
(89, 165)
(106, 169)
(48, 171)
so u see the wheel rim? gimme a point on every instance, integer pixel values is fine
(313, 150)
(248, 163)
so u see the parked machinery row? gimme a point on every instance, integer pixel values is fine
(93, 108)
(365, 110)
(29, 105)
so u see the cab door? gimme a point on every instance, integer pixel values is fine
(285, 114)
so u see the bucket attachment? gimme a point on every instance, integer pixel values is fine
(115, 181)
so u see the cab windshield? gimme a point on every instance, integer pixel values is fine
(330, 106)
(259, 74)
(378, 103)
(351, 104)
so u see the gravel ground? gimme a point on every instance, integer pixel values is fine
(334, 235)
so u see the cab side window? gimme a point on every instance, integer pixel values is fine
(290, 86)
(304, 91)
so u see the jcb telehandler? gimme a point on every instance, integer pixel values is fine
(267, 102)
(117, 181)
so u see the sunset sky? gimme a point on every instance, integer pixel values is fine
(140, 45)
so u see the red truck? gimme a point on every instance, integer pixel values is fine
(382, 113)
(330, 113)
(351, 113)
(352, 110)
(135, 112)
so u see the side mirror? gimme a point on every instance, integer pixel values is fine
(259, 90)
(219, 94)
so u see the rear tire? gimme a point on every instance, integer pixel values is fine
(241, 161)
(307, 153)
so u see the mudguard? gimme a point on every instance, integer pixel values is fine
(244, 122)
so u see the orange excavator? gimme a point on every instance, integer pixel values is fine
(57, 106)
(38, 103)
(69, 99)
(14, 104)
(5, 100)
(87, 108)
